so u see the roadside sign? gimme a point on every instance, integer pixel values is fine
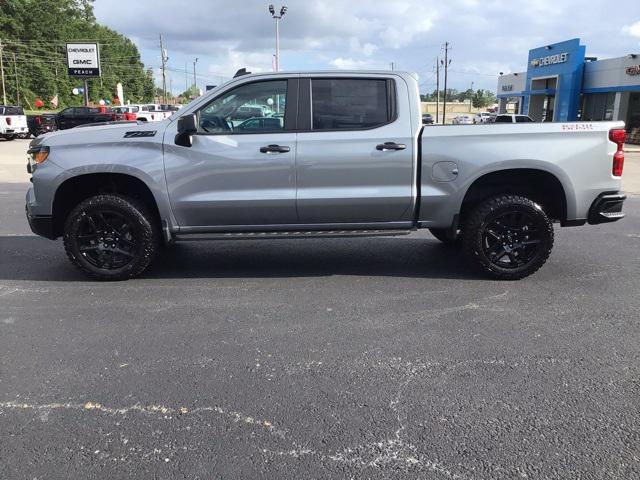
(83, 60)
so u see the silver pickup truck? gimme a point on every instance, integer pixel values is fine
(300, 155)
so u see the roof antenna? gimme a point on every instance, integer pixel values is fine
(241, 72)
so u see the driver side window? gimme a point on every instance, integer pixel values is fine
(251, 108)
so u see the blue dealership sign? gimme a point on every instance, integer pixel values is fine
(563, 62)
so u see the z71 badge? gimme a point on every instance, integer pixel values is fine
(138, 134)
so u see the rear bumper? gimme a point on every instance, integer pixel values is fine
(607, 208)
(41, 224)
(14, 130)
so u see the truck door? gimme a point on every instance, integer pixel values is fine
(232, 176)
(355, 159)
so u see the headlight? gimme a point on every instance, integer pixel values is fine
(39, 154)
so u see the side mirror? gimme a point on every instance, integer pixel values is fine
(187, 126)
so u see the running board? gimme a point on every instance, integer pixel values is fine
(294, 234)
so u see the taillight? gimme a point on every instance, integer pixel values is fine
(618, 136)
(8, 120)
(38, 120)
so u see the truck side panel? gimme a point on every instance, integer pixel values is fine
(453, 157)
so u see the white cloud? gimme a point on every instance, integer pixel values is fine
(633, 29)
(347, 63)
(485, 36)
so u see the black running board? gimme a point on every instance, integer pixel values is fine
(289, 235)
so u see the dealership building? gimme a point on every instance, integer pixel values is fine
(562, 84)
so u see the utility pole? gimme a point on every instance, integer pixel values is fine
(471, 99)
(393, 66)
(86, 92)
(437, 89)
(277, 18)
(446, 71)
(4, 92)
(15, 70)
(195, 82)
(164, 58)
(186, 77)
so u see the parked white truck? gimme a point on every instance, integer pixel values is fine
(13, 122)
(347, 156)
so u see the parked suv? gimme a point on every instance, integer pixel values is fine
(482, 117)
(509, 118)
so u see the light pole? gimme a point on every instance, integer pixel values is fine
(195, 82)
(277, 18)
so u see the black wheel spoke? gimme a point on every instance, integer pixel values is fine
(511, 239)
(106, 239)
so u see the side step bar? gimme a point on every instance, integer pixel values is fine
(288, 235)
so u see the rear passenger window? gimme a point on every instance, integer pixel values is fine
(503, 119)
(347, 104)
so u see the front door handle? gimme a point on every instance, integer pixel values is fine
(274, 149)
(387, 146)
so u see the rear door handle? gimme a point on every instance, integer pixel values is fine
(387, 146)
(275, 149)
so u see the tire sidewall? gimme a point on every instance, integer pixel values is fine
(140, 226)
(490, 210)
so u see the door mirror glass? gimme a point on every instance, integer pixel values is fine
(186, 128)
(187, 124)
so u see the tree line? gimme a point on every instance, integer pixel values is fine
(33, 35)
(479, 98)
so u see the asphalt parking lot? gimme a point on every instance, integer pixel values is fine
(333, 358)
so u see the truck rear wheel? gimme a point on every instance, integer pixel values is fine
(509, 237)
(110, 237)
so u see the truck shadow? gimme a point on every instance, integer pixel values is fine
(34, 258)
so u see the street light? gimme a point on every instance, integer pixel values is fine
(195, 82)
(277, 18)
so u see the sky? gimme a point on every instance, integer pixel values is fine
(485, 36)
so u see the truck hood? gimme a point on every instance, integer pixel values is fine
(116, 132)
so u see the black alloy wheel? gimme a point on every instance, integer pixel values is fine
(106, 239)
(110, 237)
(509, 237)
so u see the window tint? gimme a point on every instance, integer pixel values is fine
(255, 107)
(523, 119)
(343, 104)
(503, 119)
(11, 111)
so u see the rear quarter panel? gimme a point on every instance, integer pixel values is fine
(579, 155)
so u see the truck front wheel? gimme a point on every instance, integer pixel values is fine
(109, 237)
(509, 237)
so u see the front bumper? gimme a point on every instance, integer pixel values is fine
(41, 224)
(607, 208)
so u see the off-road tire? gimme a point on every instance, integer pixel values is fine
(143, 229)
(476, 226)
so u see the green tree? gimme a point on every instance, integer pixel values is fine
(35, 31)
(483, 98)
